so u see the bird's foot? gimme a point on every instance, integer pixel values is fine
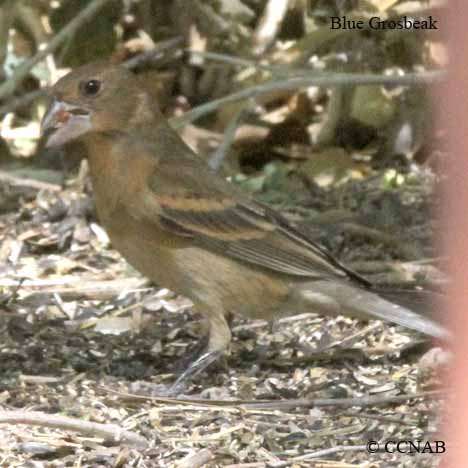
(195, 368)
(192, 354)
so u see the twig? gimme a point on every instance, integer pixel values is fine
(292, 71)
(328, 130)
(319, 79)
(264, 464)
(332, 450)
(269, 24)
(38, 379)
(72, 287)
(24, 182)
(379, 417)
(348, 340)
(196, 460)
(342, 402)
(9, 87)
(218, 156)
(110, 432)
(372, 234)
(307, 456)
(233, 60)
(284, 404)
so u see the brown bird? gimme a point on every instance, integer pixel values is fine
(188, 229)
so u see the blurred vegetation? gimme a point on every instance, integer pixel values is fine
(192, 52)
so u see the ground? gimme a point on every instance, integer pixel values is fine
(84, 336)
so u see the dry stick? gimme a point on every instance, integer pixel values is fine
(269, 24)
(307, 456)
(233, 60)
(379, 417)
(111, 432)
(25, 182)
(9, 87)
(265, 464)
(353, 337)
(73, 287)
(218, 156)
(332, 450)
(318, 79)
(282, 404)
(292, 71)
(197, 459)
(340, 402)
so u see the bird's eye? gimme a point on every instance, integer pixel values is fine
(91, 87)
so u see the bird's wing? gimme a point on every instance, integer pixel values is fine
(194, 202)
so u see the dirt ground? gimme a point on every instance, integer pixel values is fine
(82, 335)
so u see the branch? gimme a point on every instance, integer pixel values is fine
(288, 70)
(26, 182)
(197, 459)
(294, 461)
(217, 158)
(109, 431)
(328, 80)
(283, 405)
(269, 25)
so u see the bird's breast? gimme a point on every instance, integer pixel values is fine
(210, 280)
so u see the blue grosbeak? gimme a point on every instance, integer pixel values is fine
(187, 228)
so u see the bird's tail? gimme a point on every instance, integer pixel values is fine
(336, 297)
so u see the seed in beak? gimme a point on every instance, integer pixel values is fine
(63, 116)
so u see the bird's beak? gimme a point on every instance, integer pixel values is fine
(64, 122)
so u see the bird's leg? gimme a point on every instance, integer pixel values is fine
(219, 339)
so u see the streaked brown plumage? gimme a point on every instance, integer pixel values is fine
(187, 228)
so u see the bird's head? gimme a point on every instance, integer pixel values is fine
(94, 98)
